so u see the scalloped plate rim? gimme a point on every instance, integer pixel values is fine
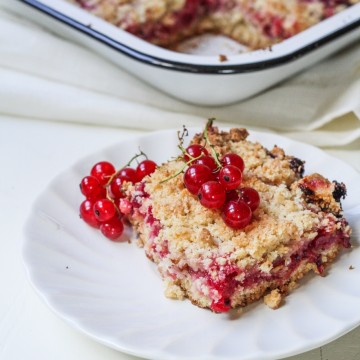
(30, 266)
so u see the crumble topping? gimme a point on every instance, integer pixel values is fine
(273, 300)
(279, 219)
(273, 167)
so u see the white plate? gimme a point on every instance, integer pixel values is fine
(113, 293)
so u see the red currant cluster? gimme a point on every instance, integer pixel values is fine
(103, 191)
(217, 184)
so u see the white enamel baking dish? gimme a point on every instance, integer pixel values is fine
(198, 79)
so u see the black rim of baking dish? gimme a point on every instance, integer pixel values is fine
(190, 67)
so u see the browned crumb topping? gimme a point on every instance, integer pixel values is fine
(280, 219)
(320, 191)
(274, 299)
(272, 167)
(223, 58)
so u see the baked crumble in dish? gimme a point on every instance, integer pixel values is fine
(298, 227)
(255, 24)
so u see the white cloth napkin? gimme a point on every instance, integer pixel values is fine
(44, 76)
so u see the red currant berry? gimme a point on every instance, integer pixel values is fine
(128, 174)
(216, 174)
(194, 151)
(146, 167)
(232, 195)
(208, 161)
(104, 210)
(113, 228)
(230, 177)
(87, 213)
(91, 188)
(250, 196)
(116, 188)
(233, 159)
(212, 195)
(195, 176)
(103, 170)
(236, 214)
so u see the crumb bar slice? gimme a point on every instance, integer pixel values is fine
(298, 228)
(256, 24)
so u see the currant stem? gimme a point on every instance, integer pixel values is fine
(182, 149)
(133, 158)
(192, 159)
(207, 141)
(113, 201)
(173, 176)
(182, 169)
(183, 134)
(111, 178)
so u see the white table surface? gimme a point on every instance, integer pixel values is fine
(31, 154)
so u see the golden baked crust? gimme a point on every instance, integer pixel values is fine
(256, 24)
(297, 228)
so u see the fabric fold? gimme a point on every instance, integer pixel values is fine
(47, 77)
